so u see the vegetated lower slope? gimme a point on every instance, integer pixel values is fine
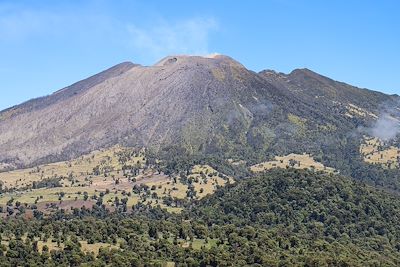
(199, 106)
(119, 178)
(283, 218)
(375, 151)
(325, 211)
(303, 161)
(345, 114)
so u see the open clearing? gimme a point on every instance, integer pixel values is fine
(353, 110)
(297, 161)
(109, 177)
(374, 151)
(103, 161)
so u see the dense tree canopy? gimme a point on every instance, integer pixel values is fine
(281, 218)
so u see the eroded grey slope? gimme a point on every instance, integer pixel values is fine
(203, 104)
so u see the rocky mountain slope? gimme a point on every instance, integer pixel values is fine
(204, 105)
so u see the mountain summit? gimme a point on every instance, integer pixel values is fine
(201, 104)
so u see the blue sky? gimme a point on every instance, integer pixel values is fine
(47, 45)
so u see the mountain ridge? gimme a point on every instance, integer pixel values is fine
(74, 88)
(206, 105)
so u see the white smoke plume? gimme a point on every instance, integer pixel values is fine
(387, 127)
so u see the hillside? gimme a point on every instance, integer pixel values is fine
(118, 178)
(204, 107)
(288, 197)
(324, 210)
(145, 105)
(282, 218)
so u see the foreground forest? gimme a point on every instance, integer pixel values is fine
(284, 217)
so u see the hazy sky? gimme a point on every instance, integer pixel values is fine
(47, 45)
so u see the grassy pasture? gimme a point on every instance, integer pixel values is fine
(374, 151)
(298, 161)
(101, 175)
(111, 160)
(205, 180)
(353, 110)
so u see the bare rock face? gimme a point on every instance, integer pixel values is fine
(127, 104)
(200, 103)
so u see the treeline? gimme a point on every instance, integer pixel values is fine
(281, 218)
(158, 238)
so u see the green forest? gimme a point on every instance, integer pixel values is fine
(284, 217)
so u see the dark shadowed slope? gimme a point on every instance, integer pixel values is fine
(315, 88)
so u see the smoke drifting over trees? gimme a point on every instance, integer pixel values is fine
(387, 127)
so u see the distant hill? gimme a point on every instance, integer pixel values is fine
(201, 106)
